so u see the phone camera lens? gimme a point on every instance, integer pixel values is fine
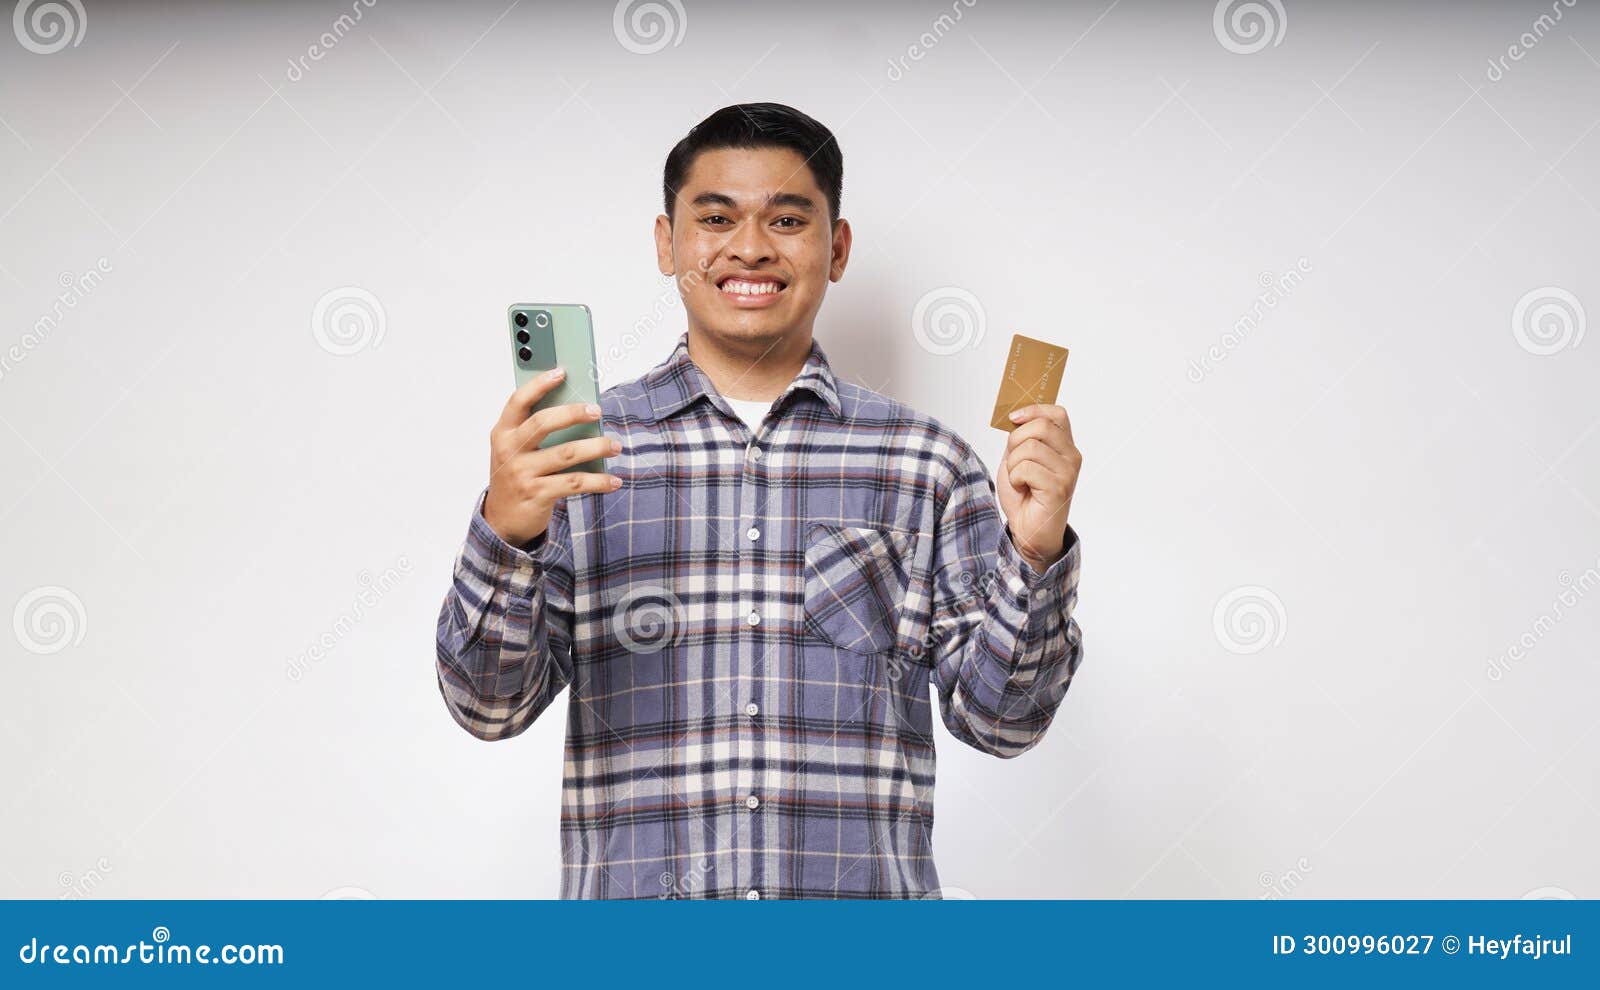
(541, 320)
(523, 336)
(522, 319)
(524, 354)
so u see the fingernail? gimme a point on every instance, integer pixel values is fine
(616, 446)
(616, 482)
(592, 409)
(1016, 415)
(556, 374)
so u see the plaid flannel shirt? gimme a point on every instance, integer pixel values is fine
(748, 630)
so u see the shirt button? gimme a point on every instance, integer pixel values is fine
(752, 709)
(752, 802)
(755, 453)
(754, 534)
(752, 895)
(755, 618)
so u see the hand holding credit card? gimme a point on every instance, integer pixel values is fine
(1039, 471)
(1032, 375)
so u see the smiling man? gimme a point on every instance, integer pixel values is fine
(751, 613)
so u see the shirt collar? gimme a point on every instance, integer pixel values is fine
(678, 381)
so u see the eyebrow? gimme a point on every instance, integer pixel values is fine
(792, 200)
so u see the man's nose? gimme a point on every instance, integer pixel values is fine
(750, 243)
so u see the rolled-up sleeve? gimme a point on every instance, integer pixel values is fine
(1005, 643)
(504, 643)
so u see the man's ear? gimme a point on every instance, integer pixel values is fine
(841, 249)
(664, 245)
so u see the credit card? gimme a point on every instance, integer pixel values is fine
(1032, 375)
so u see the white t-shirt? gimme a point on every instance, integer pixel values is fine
(752, 411)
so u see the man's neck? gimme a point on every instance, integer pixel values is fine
(750, 370)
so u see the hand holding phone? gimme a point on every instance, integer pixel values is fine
(550, 335)
(543, 449)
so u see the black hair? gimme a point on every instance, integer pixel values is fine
(759, 125)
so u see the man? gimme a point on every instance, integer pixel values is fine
(749, 610)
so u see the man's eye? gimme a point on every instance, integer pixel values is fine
(715, 217)
(790, 222)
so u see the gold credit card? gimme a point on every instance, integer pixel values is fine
(1033, 374)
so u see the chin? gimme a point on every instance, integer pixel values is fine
(746, 326)
(751, 332)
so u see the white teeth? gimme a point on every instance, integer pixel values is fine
(740, 287)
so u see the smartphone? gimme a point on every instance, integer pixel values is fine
(544, 335)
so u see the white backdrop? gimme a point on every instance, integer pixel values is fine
(1324, 288)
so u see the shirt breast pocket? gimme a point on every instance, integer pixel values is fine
(856, 578)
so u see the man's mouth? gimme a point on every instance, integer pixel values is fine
(756, 290)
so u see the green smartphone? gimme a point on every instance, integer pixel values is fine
(544, 335)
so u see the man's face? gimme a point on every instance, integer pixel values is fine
(751, 244)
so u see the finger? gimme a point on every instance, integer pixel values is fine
(1036, 452)
(558, 486)
(1044, 430)
(1036, 478)
(1025, 476)
(535, 428)
(558, 457)
(522, 400)
(1054, 413)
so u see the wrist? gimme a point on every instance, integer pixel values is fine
(1040, 564)
(1037, 558)
(509, 534)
